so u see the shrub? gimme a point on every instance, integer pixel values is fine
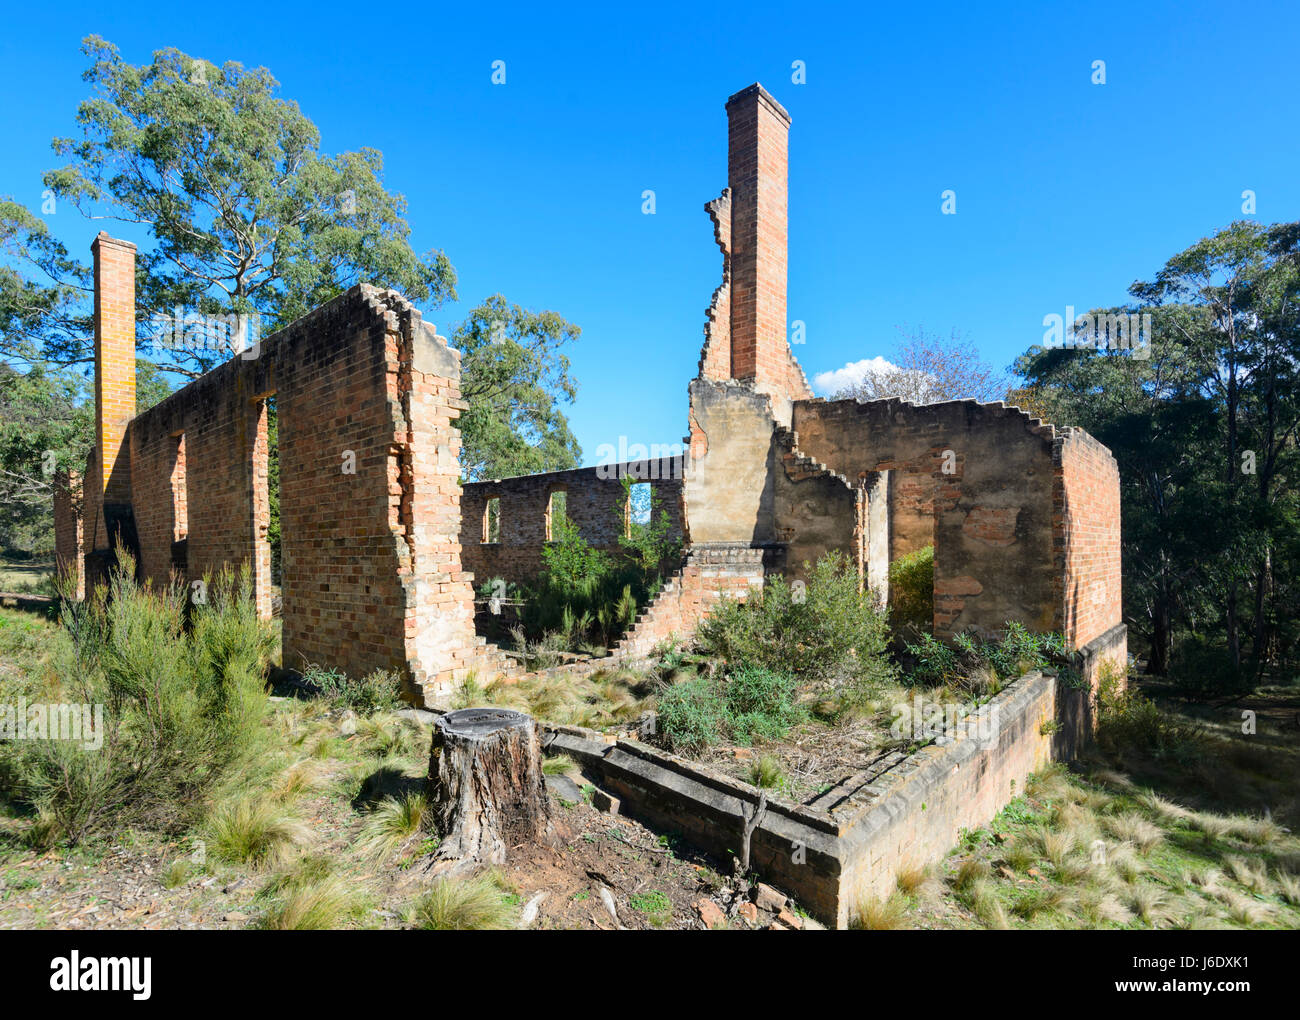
(1016, 652)
(698, 712)
(760, 703)
(650, 546)
(821, 629)
(932, 662)
(379, 691)
(182, 711)
(690, 715)
(1126, 719)
(568, 560)
(911, 591)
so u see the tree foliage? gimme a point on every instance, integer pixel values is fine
(515, 377)
(245, 213)
(1205, 433)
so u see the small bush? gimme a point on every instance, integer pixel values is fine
(380, 691)
(182, 708)
(973, 660)
(588, 597)
(911, 591)
(823, 628)
(760, 703)
(1128, 719)
(752, 702)
(690, 715)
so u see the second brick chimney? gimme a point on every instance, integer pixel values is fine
(114, 363)
(755, 240)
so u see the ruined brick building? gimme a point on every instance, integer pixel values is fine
(379, 565)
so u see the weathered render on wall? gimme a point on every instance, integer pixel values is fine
(988, 470)
(729, 490)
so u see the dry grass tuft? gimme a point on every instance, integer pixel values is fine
(1131, 827)
(462, 904)
(254, 831)
(875, 914)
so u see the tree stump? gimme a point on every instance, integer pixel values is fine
(485, 784)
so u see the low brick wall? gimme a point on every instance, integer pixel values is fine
(1078, 704)
(906, 812)
(917, 812)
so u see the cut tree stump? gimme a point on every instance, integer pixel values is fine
(485, 785)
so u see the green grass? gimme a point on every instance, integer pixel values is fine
(26, 577)
(657, 908)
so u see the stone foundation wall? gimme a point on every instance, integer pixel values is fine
(906, 812)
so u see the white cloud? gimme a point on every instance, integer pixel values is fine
(828, 383)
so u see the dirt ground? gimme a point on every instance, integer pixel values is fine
(811, 759)
(652, 880)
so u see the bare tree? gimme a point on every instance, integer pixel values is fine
(927, 369)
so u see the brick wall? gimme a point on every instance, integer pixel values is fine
(989, 516)
(216, 495)
(367, 396)
(710, 573)
(715, 357)
(1086, 525)
(1086, 541)
(69, 541)
(595, 500)
(816, 510)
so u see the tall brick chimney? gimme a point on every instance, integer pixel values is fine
(114, 363)
(757, 173)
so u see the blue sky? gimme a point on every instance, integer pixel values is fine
(1066, 191)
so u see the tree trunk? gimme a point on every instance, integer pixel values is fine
(485, 785)
(1161, 634)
